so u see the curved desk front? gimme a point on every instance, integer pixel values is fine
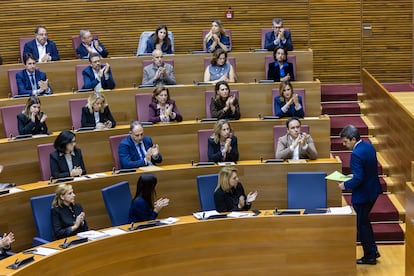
(264, 245)
(177, 182)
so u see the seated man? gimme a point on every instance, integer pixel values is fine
(158, 73)
(295, 145)
(137, 150)
(97, 76)
(31, 81)
(89, 46)
(41, 47)
(278, 37)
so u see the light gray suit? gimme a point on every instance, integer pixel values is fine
(284, 152)
(149, 74)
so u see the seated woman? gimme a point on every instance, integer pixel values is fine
(143, 206)
(159, 40)
(5, 244)
(68, 218)
(216, 38)
(219, 69)
(288, 104)
(281, 69)
(96, 113)
(162, 108)
(229, 194)
(67, 160)
(32, 120)
(222, 145)
(223, 105)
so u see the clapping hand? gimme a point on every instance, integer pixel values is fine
(76, 171)
(160, 203)
(251, 197)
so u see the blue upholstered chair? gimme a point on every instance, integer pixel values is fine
(206, 184)
(306, 190)
(41, 206)
(117, 200)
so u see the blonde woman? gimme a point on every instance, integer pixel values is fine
(216, 38)
(68, 218)
(96, 113)
(229, 194)
(222, 145)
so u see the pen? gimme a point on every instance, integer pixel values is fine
(204, 214)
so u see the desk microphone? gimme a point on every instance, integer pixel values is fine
(131, 228)
(50, 180)
(113, 170)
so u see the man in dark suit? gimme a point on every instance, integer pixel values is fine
(97, 76)
(365, 188)
(137, 150)
(89, 46)
(41, 47)
(278, 37)
(31, 81)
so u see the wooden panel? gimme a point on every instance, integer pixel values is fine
(394, 127)
(256, 246)
(177, 182)
(178, 144)
(409, 229)
(127, 71)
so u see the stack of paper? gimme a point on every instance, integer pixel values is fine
(205, 215)
(169, 220)
(114, 231)
(346, 210)
(240, 214)
(337, 176)
(92, 235)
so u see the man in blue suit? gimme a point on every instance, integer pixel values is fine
(97, 76)
(365, 188)
(31, 81)
(278, 37)
(41, 47)
(90, 45)
(137, 150)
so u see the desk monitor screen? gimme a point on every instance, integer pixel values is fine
(18, 137)
(270, 117)
(145, 85)
(85, 129)
(204, 164)
(208, 120)
(266, 81)
(278, 160)
(85, 90)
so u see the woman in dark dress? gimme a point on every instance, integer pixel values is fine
(223, 105)
(97, 113)
(280, 69)
(222, 145)
(32, 120)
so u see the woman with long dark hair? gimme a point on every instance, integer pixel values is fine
(32, 120)
(159, 40)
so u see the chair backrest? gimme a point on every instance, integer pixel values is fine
(280, 130)
(203, 135)
(306, 190)
(299, 91)
(41, 206)
(142, 42)
(43, 154)
(9, 118)
(11, 73)
(290, 58)
(22, 42)
(205, 32)
(75, 109)
(117, 199)
(146, 62)
(114, 142)
(142, 102)
(209, 94)
(76, 41)
(79, 78)
(264, 32)
(206, 184)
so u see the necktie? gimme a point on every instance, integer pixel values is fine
(141, 151)
(32, 80)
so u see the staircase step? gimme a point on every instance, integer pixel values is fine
(336, 143)
(397, 204)
(340, 108)
(399, 87)
(339, 122)
(388, 233)
(346, 157)
(340, 92)
(383, 209)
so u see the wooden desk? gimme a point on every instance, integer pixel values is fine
(409, 227)
(187, 67)
(177, 182)
(190, 99)
(178, 144)
(290, 245)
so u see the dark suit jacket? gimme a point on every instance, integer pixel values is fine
(216, 109)
(58, 166)
(154, 112)
(24, 85)
(83, 53)
(31, 47)
(227, 202)
(88, 119)
(223, 39)
(26, 126)
(62, 221)
(140, 210)
(291, 112)
(364, 184)
(129, 156)
(89, 80)
(270, 38)
(151, 47)
(214, 153)
(274, 71)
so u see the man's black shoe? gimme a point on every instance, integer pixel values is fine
(366, 261)
(377, 255)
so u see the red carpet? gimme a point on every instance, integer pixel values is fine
(339, 122)
(341, 108)
(336, 144)
(346, 157)
(340, 92)
(399, 87)
(383, 209)
(390, 232)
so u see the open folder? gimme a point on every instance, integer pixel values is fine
(337, 176)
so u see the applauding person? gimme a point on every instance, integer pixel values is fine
(163, 108)
(288, 104)
(32, 120)
(216, 38)
(222, 145)
(229, 194)
(223, 105)
(219, 69)
(159, 40)
(96, 113)
(280, 69)
(158, 72)
(90, 46)
(97, 76)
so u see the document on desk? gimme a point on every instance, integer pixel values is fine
(345, 210)
(14, 190)
(92, 235)
(240, 214)
(206, 214)
(114, 231)
(150, 168)
(169, 220)
(337, 176)
(44, 251)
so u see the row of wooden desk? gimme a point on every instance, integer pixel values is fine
(188, 68)
(178, 144)
(177, 182)
(266, 244)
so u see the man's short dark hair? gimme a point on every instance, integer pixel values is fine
(39, 27)
(28, 56)
(134, 124)
(277, 21)
(350, 132)
(292, 119)
(93, 55)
